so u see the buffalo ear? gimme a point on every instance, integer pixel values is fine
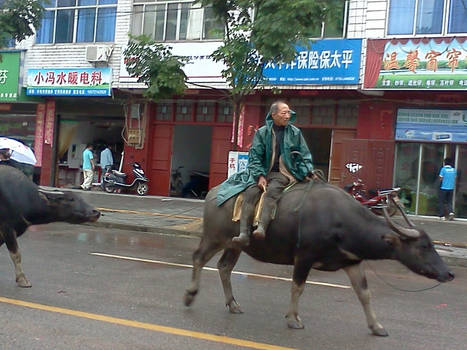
(391, 240)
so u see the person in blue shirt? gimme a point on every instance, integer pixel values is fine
(106, 161)
(88, 167)
(447, 176)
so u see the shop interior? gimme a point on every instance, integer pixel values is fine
(74, 134)
(191, 153)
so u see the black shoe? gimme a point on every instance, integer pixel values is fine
(242, 239)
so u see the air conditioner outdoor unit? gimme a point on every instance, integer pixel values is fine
(98, 53)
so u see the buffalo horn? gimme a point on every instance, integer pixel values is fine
(50, 192)
(402, 231)
(404, 215)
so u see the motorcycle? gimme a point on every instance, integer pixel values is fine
(375, 200)
(115, 181)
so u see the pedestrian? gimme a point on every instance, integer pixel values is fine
(106, 161)
(273, 164)
(5, 155)
(88, 167)
(447, 177)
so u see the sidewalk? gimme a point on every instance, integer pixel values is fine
(170, 215)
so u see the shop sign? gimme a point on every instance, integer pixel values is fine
(9, 75)
(325, 62)
(69, 82)
(434, 125)
(238, 161)
(417, 64)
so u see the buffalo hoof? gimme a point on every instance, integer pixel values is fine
(379, 331)
(23, 282)
(189, 298)
(234, 308)
(294, 322)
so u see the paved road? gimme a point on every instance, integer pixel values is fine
(80, 300)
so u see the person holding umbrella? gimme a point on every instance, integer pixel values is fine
(17, 151)
(4, 155)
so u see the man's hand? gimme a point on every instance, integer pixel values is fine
(262, 183)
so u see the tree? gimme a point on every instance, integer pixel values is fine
(259, 31)
(18, 18)
(154, 65)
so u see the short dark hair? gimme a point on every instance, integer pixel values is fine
(449, 161)
(89, 145)
(275, 106)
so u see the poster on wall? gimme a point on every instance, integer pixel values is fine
(237, 162)
(421, 63)
(434, 125)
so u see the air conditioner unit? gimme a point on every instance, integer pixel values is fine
(98, 53)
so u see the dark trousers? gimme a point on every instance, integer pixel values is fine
(276, 185)
(445, 200)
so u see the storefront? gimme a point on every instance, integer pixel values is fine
(421, 84)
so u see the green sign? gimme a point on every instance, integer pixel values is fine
(9, 76)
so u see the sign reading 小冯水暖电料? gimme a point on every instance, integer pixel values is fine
(69, 82)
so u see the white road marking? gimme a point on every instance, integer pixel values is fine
(249, 274)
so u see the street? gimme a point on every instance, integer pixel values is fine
(101, 288)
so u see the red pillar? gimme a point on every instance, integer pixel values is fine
(46, 141)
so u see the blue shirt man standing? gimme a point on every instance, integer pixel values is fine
(447, 176)
(88, 167)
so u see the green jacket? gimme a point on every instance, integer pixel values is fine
(260, 158)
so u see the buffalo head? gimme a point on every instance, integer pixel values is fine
(414, 248)
(68, 207)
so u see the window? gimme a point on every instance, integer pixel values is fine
(421, 17)
(333, 25)
(174, 20)
(68, 21)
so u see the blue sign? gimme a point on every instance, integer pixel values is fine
(326, 62)
(69, 82)
(433, 125)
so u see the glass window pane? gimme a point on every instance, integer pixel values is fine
(184, 21)
(195, 22)
(106, 24)
(432, 161)
(66, 3)
(461, 186)
(64, 28)
(224, 112)
(347, 115)
(149, 20)
(334, 23)
(401, 17)
(160, 23)
(323, 115)
(457, 16)
(164, 111)
(213, 28)
(45, 32)
(302, 109)
(137, 20)
(86, 2)
(48, 4)
(86, 24)
(184, 111)
(429, 16)
(107, 2)
(171, 29)
(406, 174)
(205, 112)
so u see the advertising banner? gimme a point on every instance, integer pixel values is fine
(326, 62)
(9, 76)
(436, 63)
(69, 82)
(434, 125)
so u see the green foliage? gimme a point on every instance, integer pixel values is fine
(155, 65)
(18, 18)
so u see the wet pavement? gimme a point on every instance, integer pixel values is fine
(181, 216)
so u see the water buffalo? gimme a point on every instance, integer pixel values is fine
(23, 204)
(316, 226)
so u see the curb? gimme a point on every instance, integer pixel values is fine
(448, 254)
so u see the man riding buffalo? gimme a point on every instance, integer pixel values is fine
(278, 157)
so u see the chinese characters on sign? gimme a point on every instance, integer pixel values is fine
(325, 62)
(420, 64)
(69, 82)
(237, 162)
(9, 76)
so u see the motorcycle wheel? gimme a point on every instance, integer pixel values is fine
(109, 188)
(142, 188)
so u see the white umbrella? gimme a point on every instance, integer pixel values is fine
(19, 151)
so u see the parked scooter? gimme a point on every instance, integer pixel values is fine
(375, 200)
(115, 181)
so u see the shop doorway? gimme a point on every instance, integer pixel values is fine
(319, 143)
(190, 161)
